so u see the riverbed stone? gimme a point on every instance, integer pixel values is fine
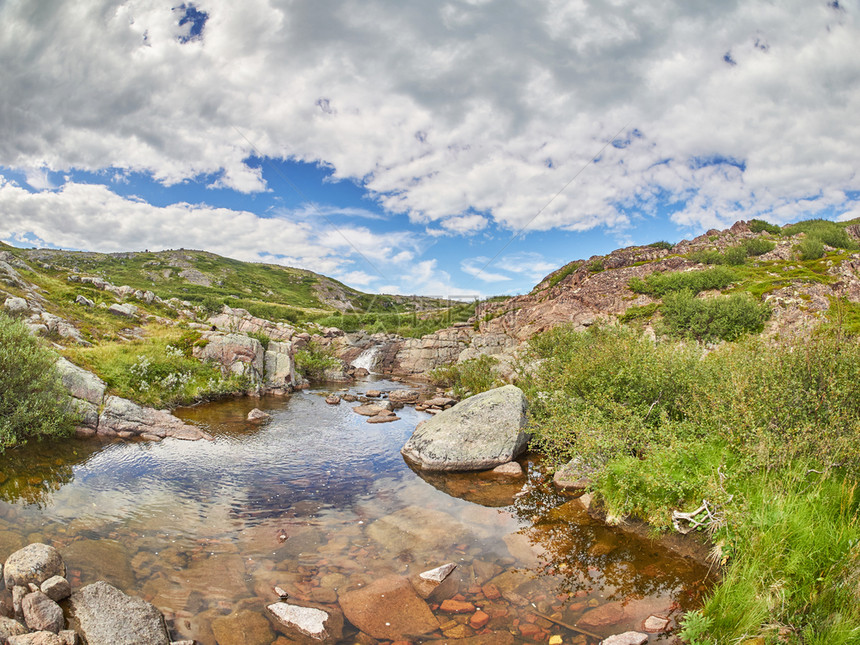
(403, 397)
(258, 415)
(656, 624)
(431, 582)
(243, 627)
(56, 588)
(122, 415)
(34, 563)
(103, 560)
(415, 528)
(10, 627)
(107, 616)
(574, 475)
(38, 638)
(627, 638)
(389, 608)
(10, 541)
(480, 433)
(510, 469)
(41, 613)
(605, 615)
(371, 410)
(303, 623)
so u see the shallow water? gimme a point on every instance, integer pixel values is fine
(318, 502)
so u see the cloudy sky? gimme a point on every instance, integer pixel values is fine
(447, 148)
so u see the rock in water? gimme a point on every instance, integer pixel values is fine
(9, 627)
(310, 622)
(34, 563)
(258, 415)
(627, 638)
(482, 432)
(107, 616)
(41, 613)
(389, 609)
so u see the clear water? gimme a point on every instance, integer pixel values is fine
(318, 502)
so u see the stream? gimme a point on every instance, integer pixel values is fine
(319, 502)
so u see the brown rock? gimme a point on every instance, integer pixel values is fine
(606, 615)
(428, 582)
(324, 626)
(373, 394)
(41, 613)
(389, 609)
(479, 620)
(451, 606)
(332, 399)
(383, 417)
(369, 410)
(656, 624)
(56, 588)
(510, 469)
(34, 563)
(258, 415)
(10, 627)
(403, 396)
(38, 638)
(244, 627)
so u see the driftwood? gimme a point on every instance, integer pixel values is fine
(578, 630)
(690, 519)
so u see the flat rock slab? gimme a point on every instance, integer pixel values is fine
(370, 410)
(308, 622)
(480, 433)
(389, 609)
(107, 616)
(627, 638)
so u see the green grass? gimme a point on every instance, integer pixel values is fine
(158, 371)
(409, 324)
(468, 378)
(659, 284)
(744, 426)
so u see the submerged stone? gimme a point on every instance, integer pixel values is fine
(107, 616)
(389, 609)
(316, 624)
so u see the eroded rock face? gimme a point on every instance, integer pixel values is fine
(35, 563)
(482, 432)
(235, 353)
(389, 609)
(107, 616)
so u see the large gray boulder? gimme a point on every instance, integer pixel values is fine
(123, 416)
(35, 563)
(479, 433)
(107, 616)
(279, 367)
(80, 383)
(236, 353)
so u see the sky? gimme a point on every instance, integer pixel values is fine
(456, 148)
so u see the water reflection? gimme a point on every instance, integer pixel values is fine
(319, 502)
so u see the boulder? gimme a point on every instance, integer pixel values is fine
(236, 353)
(279, 366)
(627, 638)
(383, 417)
(34, 563)
(83, 300)
(56, 588)
(403, 396)
(389, 608)
(126, 310)
(15, 305)
(510, 469)
(258, 415)
(656, 624)
(482, 432)
(40, 638)
(80, 383)
(107, 616)
(10, 627)
(41, 613)
(122, 415)
(302, 623)
(332, 399)
(370, 410)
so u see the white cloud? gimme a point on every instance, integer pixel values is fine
(478, 268)
(445, 110)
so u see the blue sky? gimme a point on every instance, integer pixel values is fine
(400, 147)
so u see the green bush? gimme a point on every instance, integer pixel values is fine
(830, 233)
(659, 284)
(596, 266)
(759, 226)
(707, 256)
(735, 255)
(313, 361)
(637, 313)
(758, 246)
(32, 398)
(468, 378)
(811, 248)
(711, 319)
(662, 244)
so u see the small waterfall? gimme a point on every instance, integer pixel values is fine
(367, 358)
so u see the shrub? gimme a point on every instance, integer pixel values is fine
(636, 313)
(313, 361)
(735, 255)
(596, 266)
(662, 244)
(758, 246)
(468, 378)
(811, 248)
(32, 398)
(710, 319)
(759, 226)
(830, 233)
(707, 256)
(659, 284)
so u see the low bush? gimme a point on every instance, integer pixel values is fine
(811, 248)
(712, 319)
(313, 361)
(32, 398)
(760, 226)
(659, 284)
(829, 233)
(468, 378)
(662, 244)
(758, 246)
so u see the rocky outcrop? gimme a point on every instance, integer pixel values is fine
(237, 354)
(279, 367)
(480, 433)
(233, 321)
(124, 418)
(107, 616)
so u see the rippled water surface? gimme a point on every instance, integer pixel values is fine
(318, 502)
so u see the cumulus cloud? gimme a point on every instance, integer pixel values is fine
(92, 217)
(458, 114)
